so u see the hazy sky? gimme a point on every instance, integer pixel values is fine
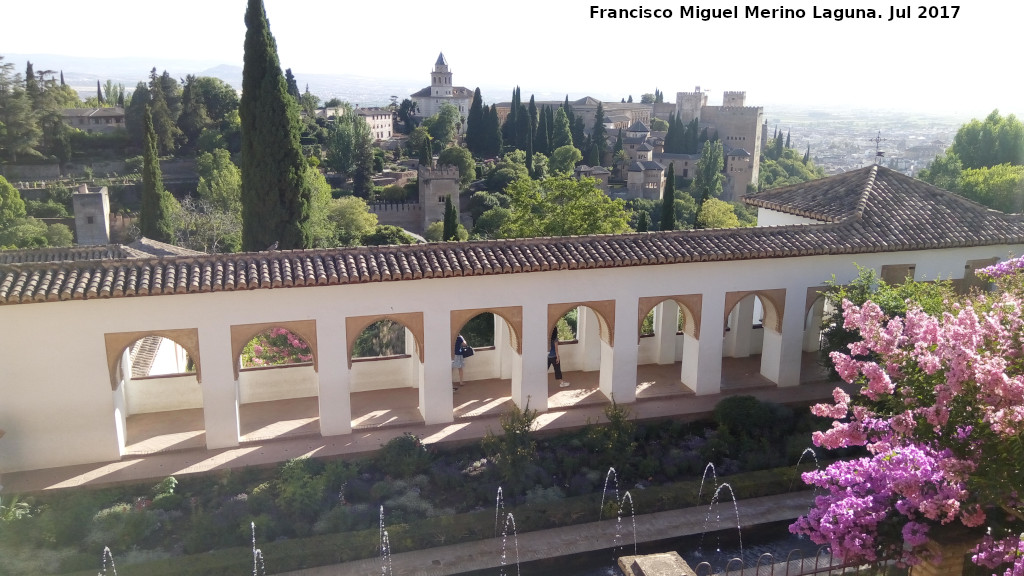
(968, 64)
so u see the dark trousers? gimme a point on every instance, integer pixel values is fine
(558, 367)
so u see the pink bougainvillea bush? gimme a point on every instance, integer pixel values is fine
(941, 413)
(276, 347)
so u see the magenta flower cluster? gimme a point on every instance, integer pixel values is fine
(940, 406)
(276, 347)
(1004, 268)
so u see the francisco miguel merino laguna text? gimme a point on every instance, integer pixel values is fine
(700, 13)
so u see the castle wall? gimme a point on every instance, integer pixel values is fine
(408, 215)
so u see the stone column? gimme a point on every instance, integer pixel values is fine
(435, 385)
(220, 389)
(531, 382)
(334, 378)
(618, 361)
(781, 352)
(702, 359)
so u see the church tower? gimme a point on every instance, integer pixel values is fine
(441, 78)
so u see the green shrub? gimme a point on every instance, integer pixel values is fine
(402, 457)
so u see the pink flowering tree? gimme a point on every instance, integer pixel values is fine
(275, 347)
(940, 412)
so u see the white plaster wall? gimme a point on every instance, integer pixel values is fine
(58, 408)
(383, 373)
(768, 217)
(162, 393)
(277, 383)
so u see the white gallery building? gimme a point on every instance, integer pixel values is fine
(71, 318)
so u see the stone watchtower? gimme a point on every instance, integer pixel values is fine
(92, 215)
(689, 105)
(435, 184)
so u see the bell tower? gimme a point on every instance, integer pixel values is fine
(441, 78)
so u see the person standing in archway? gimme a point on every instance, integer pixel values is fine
(459, 362)
(554, 360)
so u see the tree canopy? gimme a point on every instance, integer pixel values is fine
(561, 206)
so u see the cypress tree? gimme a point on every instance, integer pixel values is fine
(618, 143)
(426, 154)
(492, 132)
(275, 196)
(62, 78)
(787, 138)
(643, 222)
(99, 93)
(157, 203)
(563, 133)
(668, 200)
(291, 84)
(475, 125)
(807, 155)
(671, 136)
(599, 135)
(541, 142)
(522, 127)
(450, 231)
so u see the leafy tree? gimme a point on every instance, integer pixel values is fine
(460, 158)
(362, 157)
(134, 114)
(291, 85)
(564, 159)
(201, 226)
(643, 222)
(715, 213)
(193, 117)
(339, 143)
(562, 206)
(647, 98)
(156, 218)
(321, 228)
(352, 220)
(220, 181)
(707, 179)
(407, 112)
(492, 142)
(562, 134)
(996, 140)
(511, 167)
(788, 169)
(1000, 187)
(19, 131)
(444, 126)
(388, 235)
(668, 200)
(165, 107)
(12, 207)
(276, 198)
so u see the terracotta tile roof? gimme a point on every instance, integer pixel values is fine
(868, 210)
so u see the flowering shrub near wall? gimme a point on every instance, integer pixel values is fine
(275, 347)
(941, 412)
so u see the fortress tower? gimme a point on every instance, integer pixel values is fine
(435, 184)
(92, 216)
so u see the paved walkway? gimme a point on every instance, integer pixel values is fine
(542, 544)
(362, 441)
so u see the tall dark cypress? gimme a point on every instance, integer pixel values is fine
(475, 125)
(99, 93)
(450, 225)
(154, 217)
(599, 135)
(492, 132)
(668, 200)
(275, 195)
(540, 139)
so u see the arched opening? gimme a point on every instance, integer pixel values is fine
(278, 386)
(751, 318)
(385, 369)
(667, 345)
(158, 400)
(487, 374)
(585, 336)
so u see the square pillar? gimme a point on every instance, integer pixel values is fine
(666, 325)
(435, 381)
(220, 389)
(334, 376)
(780, 355)
(702, 359)
(588, 332)
(530, 379)
(618, 362)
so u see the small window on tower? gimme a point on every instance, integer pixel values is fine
(88, 219)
